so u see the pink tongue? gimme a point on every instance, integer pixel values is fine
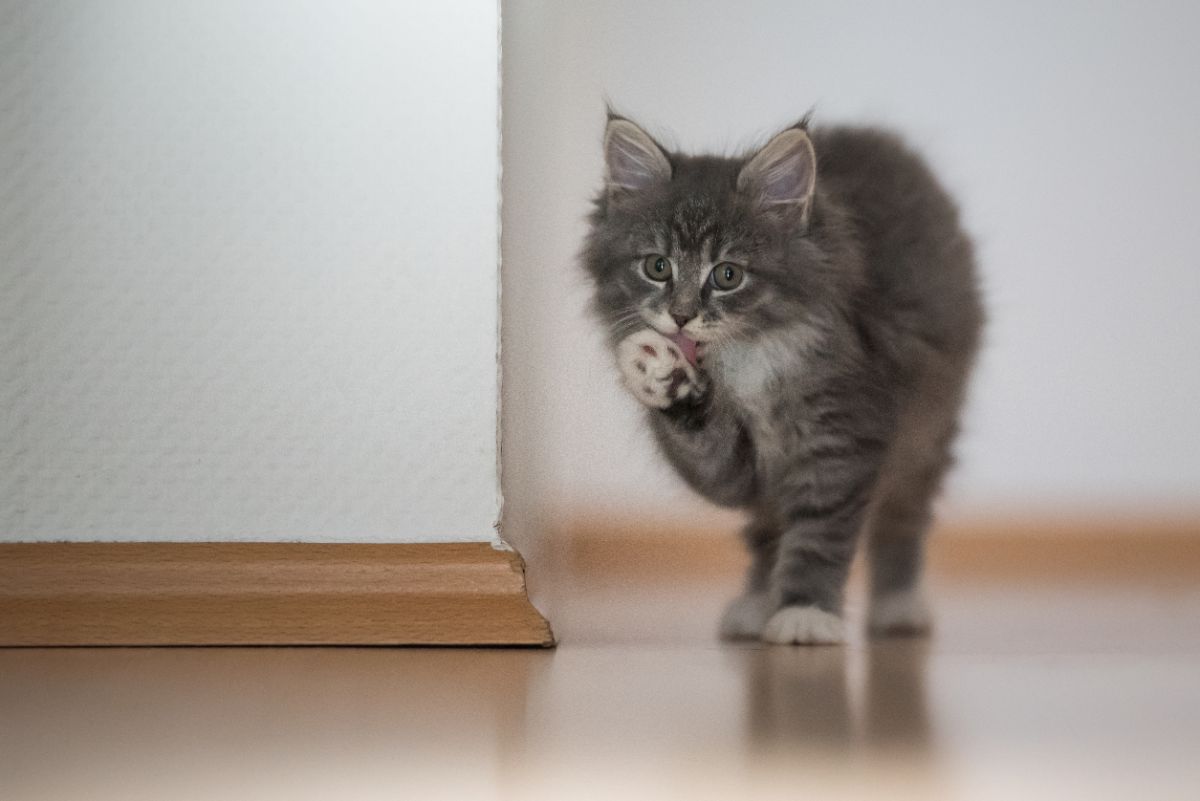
(687, 345)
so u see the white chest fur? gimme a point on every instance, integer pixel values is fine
(756, 375)
(753, 373)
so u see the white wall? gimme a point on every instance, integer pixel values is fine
(248, 270)
(1067, 130)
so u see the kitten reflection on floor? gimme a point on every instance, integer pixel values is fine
(807, 700)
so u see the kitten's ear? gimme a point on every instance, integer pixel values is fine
(783, 175)
(633, 161)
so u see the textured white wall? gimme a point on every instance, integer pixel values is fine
(248, 270)
(1067, 130)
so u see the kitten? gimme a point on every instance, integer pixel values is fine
(800, 324)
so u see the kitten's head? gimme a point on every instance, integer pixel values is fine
(701, 248)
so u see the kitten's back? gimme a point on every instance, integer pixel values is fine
(918, 257)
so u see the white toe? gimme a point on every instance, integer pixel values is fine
(804, 625)
(650, 365)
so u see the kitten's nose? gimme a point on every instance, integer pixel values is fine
(682, 319)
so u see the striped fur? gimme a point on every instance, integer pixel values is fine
(833, 376)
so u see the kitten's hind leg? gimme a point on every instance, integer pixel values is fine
(897, 531)
(746, 615)
(898, 606)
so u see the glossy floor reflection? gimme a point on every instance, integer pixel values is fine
(1029, 691)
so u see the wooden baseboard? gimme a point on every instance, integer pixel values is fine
(137, 593)
(1165, 551)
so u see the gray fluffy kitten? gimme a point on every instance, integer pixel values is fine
(800, 324)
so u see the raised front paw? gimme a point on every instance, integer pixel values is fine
(655, 371)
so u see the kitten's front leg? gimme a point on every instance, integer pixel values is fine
(654, 370)
(701, 437)
(823, 507)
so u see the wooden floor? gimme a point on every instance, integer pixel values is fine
(1033, 687)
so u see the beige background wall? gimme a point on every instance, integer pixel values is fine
(1068, 132)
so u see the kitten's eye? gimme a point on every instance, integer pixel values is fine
(726, 276)
(656, 267)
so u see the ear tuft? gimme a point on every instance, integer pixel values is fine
(784, 173)
(633, 160)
